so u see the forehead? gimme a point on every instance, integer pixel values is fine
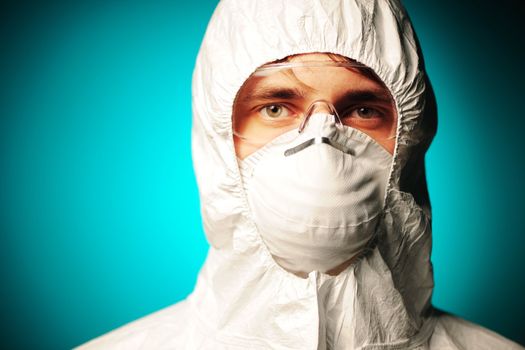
(314, 78)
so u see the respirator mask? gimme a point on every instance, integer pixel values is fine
(315, 183)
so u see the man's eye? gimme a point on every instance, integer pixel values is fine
(274, 111)
(364, 113)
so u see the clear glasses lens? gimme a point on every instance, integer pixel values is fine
(279, 98)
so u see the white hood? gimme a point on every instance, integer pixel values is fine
(243, 299)
(383, 299)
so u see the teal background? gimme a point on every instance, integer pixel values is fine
(99, 208)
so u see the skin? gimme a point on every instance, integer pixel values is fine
(361, 102)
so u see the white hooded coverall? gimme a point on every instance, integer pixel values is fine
(243, 299)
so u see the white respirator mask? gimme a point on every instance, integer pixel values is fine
(316, 196)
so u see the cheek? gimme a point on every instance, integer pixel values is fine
(388, 144)
(243, 149)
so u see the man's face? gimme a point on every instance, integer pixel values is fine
(361, 101)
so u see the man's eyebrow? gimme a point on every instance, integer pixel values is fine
(273, 93)
(367, 96)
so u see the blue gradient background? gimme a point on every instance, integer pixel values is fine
(99, 208)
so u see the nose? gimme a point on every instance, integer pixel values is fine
(322, 107)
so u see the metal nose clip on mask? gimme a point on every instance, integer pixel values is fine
(316, 193)
(319, 139)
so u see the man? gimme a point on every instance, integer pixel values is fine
(311, 119)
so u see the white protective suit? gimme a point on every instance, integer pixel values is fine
(243, 299)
